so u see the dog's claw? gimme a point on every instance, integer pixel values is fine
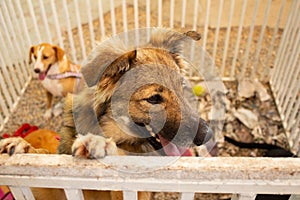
(15, 145)
(74, 152)
(11, 150)
(93, 147)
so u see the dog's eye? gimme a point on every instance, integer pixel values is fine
(45, 57)
(155, 99)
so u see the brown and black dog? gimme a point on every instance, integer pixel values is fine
(134, 103)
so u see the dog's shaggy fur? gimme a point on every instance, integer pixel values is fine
(145, 87)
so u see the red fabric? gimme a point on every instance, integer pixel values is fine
(23, 131)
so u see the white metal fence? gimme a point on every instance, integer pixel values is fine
(243, 177)
(246, 39)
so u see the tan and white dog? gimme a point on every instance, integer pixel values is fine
(59, 76)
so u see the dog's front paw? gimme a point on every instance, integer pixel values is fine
(93, 146)
(15, 145)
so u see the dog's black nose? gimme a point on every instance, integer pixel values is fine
(37, 70)
(204, 133)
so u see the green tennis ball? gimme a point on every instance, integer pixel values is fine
(198, 90)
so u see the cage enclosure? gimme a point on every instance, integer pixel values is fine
(254, 47)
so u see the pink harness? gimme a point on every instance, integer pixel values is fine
(64, 75)
(74, 73)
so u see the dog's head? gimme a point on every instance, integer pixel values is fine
(143, 90)
(45, 55)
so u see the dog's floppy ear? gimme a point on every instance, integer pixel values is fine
(171, 40)
(107, 60)
(120, 65)
(31, 51)
(104, 68)
(59, 53)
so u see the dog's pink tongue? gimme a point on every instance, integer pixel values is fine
(42, 75)
(172, 150)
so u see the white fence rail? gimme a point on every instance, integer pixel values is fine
(245, 176)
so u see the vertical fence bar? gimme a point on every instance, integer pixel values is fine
(250, 37)
(25, 27)
(22, 42)
(291, 80)
(19, 78)
(183, 12)
(262, 32)
(196, 4)
(289, 115)
(2, 120)
(195, 18)
(207, 11)
(295, 121)
(33, 16)
(17, 193)
(91, 27)
(4, 106)
(227, 36)
(136, 14)
(56, 22)
(148, 18)
(5, 91)
(264, 75)
(101, 19)
(15, 21)
(187, 195)
(45, 20)
(129, 195)
(74, 194)
(113, 18)
(237, 45)
(136, 22)
(172, 4)
(296, 134)
(14, 87)
(21, 193)
(291, 49)
(79, 26)
(159, 22)
(71, 41)
(124, 14)
(217, 29)
(282, 47)
(7, 97)
(14, 43)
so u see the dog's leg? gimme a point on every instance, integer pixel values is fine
(116, 195)
(93, 146)
(48, 112)
(17, 145)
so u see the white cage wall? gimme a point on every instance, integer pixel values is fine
(246, 39)
(234, 32)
